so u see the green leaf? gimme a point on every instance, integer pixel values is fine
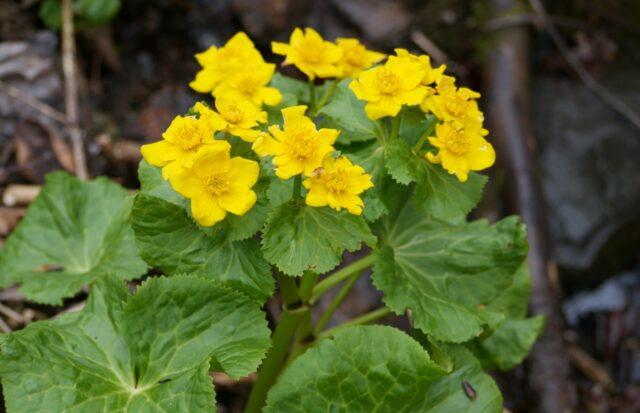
(437, 192)
(510, 343)
(292, 87)
(414, 123)
(168, 239)
(362, 369)
(346, 113)
(445, 273)
(152, 183)
(441, 194)
(514, 300)
(145, 353)
(448, 394)
(74, 233)
(297, 237)
(233, 228)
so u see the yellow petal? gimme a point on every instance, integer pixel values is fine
(317, 196)
(212, 158)
(206, 211)
(385, 107)
(350, 202)
(204, 82)
(160, 153)
(481, 156)
(265, 145)
(186, 183)
(244, 172)
(208, 57)
(237, 201)
(280, 48)
(270, 96)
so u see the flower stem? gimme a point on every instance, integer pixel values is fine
(339, 276)
(335, 303)
(326, 96)
(288, 290)
(307, 283)
(421, 142)
(312, 96)
(297, 186)
(363, 319)
(274, 360)
(395, 127)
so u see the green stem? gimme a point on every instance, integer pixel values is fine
(304, 338)
(326, 95)
(421, 142)
(274, 360)
(288, 290)
(395, 127)
(307, 283)
(312, 96)
(335, 303)
(297, 186)
(340, 276)
(363, 319)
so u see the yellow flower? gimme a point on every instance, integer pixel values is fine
(310, 53)
(239, 118)
(461, 148)
(355, 57)
(338, 184)
(300, 147)
(430, 74)
(218, 63)
(250, 84)
(184, 136)
(451, 103)
(217, 184)
(386, 88)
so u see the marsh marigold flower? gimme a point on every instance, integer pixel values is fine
(461, 148)
(250, 84)
(387, 87)
(338, 183)
(310, 53)
(355, 57)
(217, 184)
(299, 147)
(429, 73)
(184, 136)
(453, 103)
(218, 63)
(239, 118)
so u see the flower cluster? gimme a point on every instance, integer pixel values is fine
(408, 80)
(195, 156)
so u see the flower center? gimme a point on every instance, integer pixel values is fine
(217, 183)
(312, 50)
(247, 85)
(302, 145)
(456, 105)
(189, 136)
(232, 114)
(337, 182)
(388, 82)
(456, 142)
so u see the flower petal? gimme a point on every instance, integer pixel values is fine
(244, 172)
(160, 153)
(206, 211)
(238, 201)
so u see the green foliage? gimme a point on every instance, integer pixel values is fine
(446, 273)
(168, 239)
(298, 238)
(147, 352)
(86, 12)
(346, 113)
(380, 369)
(74, 233)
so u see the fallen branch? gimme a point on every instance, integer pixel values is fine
(25, 98)
(71, 89)
(590, 82)
(506, 72)
(15, 195)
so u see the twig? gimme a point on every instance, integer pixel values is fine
(20, 194)
(12, 314)
(71, 88)
(590, 82)
(507, 77)
(590, 367)
(25, 98)
(4, 326)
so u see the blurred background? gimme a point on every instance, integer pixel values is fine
(561, 94)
